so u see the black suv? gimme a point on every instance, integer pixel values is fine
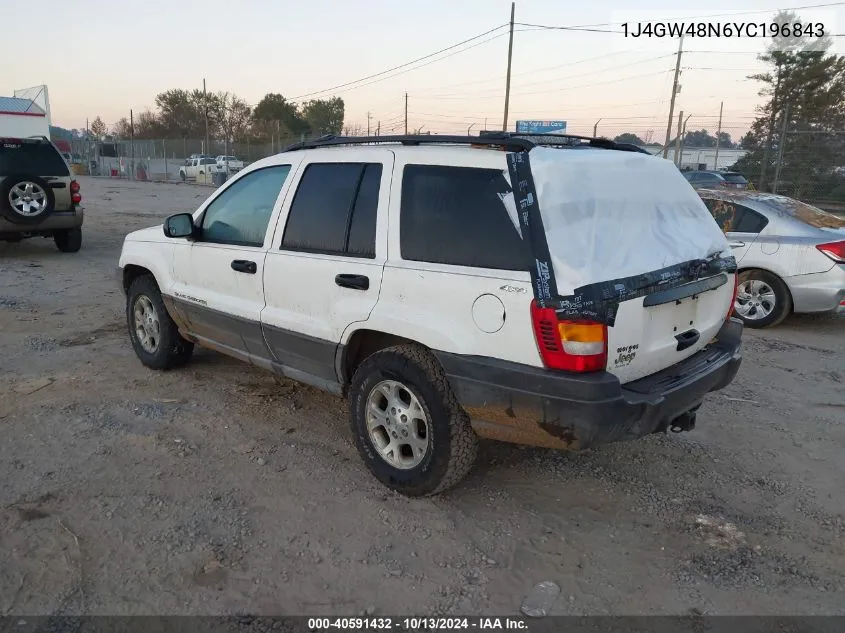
(38, 195)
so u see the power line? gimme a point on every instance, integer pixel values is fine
(547, 27)
(400, 66)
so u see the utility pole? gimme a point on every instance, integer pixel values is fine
(205, 104)
(378, 129)
(780, 148)
(596, 128)
(508, 80)
(683, 139)
(678, 137)
(406, 114)
(472, 125)
(718, 137)
(672, 100)
(131, 145)
(369, 116)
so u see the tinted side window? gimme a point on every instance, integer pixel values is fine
(748, 220)
(334, 210)
(37, 159)
(362, 227)
(454, 215)
(240, 214)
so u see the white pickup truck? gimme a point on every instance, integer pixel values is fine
(230, 164)
(194, 167)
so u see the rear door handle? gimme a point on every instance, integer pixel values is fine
(356, 282)
(736, 244)
(244, 266)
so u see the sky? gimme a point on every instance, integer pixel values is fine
(103, 58)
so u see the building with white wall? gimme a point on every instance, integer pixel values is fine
(20, 118)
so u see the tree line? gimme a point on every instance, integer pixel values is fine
(184, 114)
(697, 138)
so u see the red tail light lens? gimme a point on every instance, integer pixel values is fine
(733, 298)
(579, 346)
(75, 196)
(834, 250)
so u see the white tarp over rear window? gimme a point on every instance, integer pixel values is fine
(612, 214)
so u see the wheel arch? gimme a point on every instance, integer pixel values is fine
(362, 343)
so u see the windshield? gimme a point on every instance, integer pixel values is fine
(735, 179)
(806, 213)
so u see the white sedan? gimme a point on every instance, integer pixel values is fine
(791, 255)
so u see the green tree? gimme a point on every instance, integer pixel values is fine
(98, 129)
(324, 116)
(275, 114)
(805, 89)
(148, 126)
(629, 137)
(232, 116)
(699, 138)
(725, 140)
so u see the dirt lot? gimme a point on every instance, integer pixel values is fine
(219, 489)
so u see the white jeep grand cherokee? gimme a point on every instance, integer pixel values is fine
(588, 303)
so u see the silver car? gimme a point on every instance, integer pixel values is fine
(791, 255)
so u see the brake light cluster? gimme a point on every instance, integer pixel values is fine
(579, 346)
(834, 250)
(75, 196)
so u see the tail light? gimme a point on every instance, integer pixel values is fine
(733, 298)
(834, 250)
(75, 196)
(579, 346)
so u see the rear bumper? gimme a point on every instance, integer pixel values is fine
(818, 292)
(55, 221)
(529, 405)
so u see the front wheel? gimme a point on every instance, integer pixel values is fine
(409, 429)
(762, 299)
(155, 337)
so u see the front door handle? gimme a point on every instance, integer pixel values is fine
(736, 244)
(356, 282)
(244, 266)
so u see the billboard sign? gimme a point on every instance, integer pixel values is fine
(541, 127)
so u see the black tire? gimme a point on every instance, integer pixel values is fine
(68, 240)
(783, 299)
(452, 444)
(172, 350)
(182, 175)
(11, 214)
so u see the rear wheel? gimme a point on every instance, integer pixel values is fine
(409, 429)
(762, 299)
(68, 240)
(155, 337)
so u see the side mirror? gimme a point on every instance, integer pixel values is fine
(180, 225)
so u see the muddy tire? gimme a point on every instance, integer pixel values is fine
(155, 337)
(763, 300)
(68, 240)
(407, 424)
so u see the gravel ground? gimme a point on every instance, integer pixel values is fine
(220, 489)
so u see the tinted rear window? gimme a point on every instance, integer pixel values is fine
(735, 179)
(36, 159)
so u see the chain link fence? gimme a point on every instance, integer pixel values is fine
(160, 160)
(810, 166)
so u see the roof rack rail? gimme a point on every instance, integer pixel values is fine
(507, 140)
